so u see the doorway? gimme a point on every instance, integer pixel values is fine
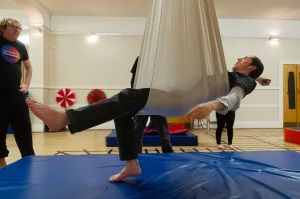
(291, 95)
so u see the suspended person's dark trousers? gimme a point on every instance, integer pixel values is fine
(121, 108)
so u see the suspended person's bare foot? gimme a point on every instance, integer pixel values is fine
(131, 169)
(220, 146)
(231, 147)
(2, 163)
(54, 119)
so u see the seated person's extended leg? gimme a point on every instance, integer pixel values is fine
(121, 104)
(120, 107)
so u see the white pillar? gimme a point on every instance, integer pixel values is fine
(39, 24)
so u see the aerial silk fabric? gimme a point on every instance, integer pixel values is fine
(181, 59)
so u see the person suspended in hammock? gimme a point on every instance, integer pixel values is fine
(123, 106)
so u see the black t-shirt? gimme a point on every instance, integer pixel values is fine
(245, 82)
(12, 55)
(133, 71)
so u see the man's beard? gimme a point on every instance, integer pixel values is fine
(234, 69)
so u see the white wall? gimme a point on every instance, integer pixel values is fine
(22, 17)
(106, 63)
(135, 26)
(18, 14)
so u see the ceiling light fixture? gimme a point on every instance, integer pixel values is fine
(274, 38)
(92, 38)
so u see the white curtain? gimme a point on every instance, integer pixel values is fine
(181, 58)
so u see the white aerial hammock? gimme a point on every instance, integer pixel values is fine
(181, 59)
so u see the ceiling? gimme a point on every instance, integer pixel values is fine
(8, 4)
(242, 9)
(258, 9)
(111, 8)
(250, 9)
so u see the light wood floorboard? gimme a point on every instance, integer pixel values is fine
(93, 142)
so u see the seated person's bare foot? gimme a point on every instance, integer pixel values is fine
(220, 146)
(231, 147)
(131, 169)
(2, 163)
(54, 119)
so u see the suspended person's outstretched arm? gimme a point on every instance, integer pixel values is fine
(263, 81)
(229, 102)
(222, 105)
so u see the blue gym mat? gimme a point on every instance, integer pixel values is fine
(193, 175)
(184, 139)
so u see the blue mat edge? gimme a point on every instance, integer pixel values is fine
(185, 139)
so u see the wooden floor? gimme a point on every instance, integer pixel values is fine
(93, 142)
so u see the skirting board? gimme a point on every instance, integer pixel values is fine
(37, 127)
(255, 124)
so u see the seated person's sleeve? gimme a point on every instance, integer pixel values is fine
(232, 101)
(247, 84)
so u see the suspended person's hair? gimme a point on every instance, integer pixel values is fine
(259, 68)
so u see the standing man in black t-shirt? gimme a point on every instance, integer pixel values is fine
(14, 110)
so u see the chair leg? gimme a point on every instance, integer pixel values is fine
(192, 124)
(208, 125)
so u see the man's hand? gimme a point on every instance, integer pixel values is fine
(202, 111)
(263, 81)
(24, 87)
